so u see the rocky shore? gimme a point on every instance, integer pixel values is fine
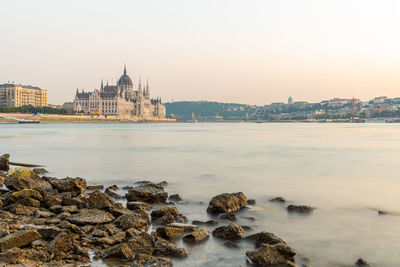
(46, 221)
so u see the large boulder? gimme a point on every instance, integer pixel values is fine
(18, 239)
(169, 232)
(137, 205)
(150, 193)
(230, 232)
(265, 238)
(5, 162)
(62, 245)
(91, 216)
(77, 185)
(225, 203)
(300, 209)
(164, 248)
(268, 255)
(156, 214)
(121, 251)
(27, 197)
(22, 178)
(13, 256)
(99, 200)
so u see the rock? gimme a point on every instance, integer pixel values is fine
(63, 215)
(197, 236)
(156, 214)
(44, 214)
(94, 187)
(230, 244)
(132, 232)
(300, 209)
(164, 248)
(175, 197)
(18, 239)
(228, 216)
(147, 193)
(127, 187)
(265, 238)
(147, 261)
(210, 222)
(5, 162)
(91, 216)
(70, 185)
(186, 227)
(22, 178)
(278, 200)
(56, 208)
(362, 263)
(166, 219)
(267, 255)
(21, 209)
(142, 243)
(121, 251)
(169, 232)
(13, 256)
(99, 233)
(49, 233)
(111, 229)
(20, 196)
(109, 191)
(111, 240)
(225, 203)
(132, 221)
(230, 232)
(118, 209)
(61, 244)
(39, 171)
(49, 201)
(70, 209)
(99, 200)
(137, 205)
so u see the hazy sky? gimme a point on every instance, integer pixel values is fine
(253, 52)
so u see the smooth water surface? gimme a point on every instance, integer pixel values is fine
(346, 171)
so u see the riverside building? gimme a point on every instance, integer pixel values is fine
(121, 100)
(16, 95)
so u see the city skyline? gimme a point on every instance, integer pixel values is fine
(228, 51)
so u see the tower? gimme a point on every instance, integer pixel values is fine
(101, 87)
(147, 89)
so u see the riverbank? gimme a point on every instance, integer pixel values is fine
(10, 118)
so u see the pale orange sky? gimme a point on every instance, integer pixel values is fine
(253, 52)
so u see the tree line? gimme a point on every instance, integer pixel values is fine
(33, 110)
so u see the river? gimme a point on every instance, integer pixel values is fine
(346, 171)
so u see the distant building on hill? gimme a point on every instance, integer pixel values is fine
(290, 100)
(16, 95)
(122, 100)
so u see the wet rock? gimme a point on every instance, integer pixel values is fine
(137, 205)
(5, 162)
(132, 221)
(156, 214)
(164, 248)
(300, 209)
(127, 187)
(251, 201)
(110, 191)
(148, 193)
(121, 251)
(186, 227)
(99, 233)
(265, 238)
(63, 215)
(22, 178)
(61, 245)
(362, 263)
(70, 185)
(18, 239)
(132, 232)
(230, 232)
(118, 209)
(91, 216)
(87, 229)
(169, 232)
(13, 256)
(166, 219)
(278, 200)
(80, 202)
(210, 222)
(53, 221)
(111, 229)
(99, 200)
(197, 236)
(175, 197)
(94, 187)
(39, 171)
(70, 209)
(228, 216)
(111, 240)
(56, 208)
(142, 243)
(267, 255)
(230, 244)
(225, 203)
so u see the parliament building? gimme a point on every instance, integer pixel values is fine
(121, 100)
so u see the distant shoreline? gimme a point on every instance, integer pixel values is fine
(13, 118)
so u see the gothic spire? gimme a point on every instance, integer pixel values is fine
(102, 87)
(124, 69)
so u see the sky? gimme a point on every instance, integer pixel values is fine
(251, 52)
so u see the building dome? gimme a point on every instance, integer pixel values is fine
(125, 79)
